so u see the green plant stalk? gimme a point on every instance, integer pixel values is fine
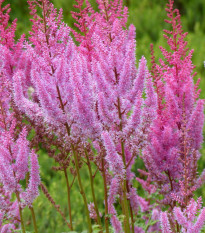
(131, 211)
(67, 127)
(105, 196)
(125, 205)
(93, 191)
(81, 189)
(126, 209)
(132, 218)
(34, 219)
(76, 166)
(20, 212)
(68, 196)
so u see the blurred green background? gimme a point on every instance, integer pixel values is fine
(148, 17)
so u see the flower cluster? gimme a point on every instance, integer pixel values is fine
(188, 220)
(14, 165)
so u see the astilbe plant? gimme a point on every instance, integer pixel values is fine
(118, 90)
(61, 100)
(89, 106)
(68, 96)
(176, 134)
(62, 76)
(67, 87)
(122, 136)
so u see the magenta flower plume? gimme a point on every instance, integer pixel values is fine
(195, 124)
(14, 153)
(114, 188)
(192, 218)
(155, 217)
(47, 94)
(199, 223)
(116, 224)
(6, 174)
(8, 228)
(28, 107)
(9, 211)
(83, 101)
(151, 98)
(47, 30)
(113, 192)
(115, 9)
(34, 181)
(85, 23)
(14, 163)
(135, 119)
(11, 52)
(138, 84)
(21, 165)
(85, 116)
(176, 133)
(138, 230)
(134, 200)
(7, 32)
(143, 204)
(105, 115)
(92, 211)
(179, 216)
(192, 208)
(128, 69)
(113, 158)
(165, 223)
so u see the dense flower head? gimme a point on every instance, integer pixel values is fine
(190, 219)
(92, 211)
(7, 32)
(165, 225)
(49, 28)
(34, 181)
(84, 22)
(176, 133)
(9, 211)
(113, 158)
(14, 156)
(14, 159)
(11, 55)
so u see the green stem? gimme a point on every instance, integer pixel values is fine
(131, 212)
(125, 201)
(20, 212)
(132, 219)
(93, 191)
(34, 219)
(126, 209)
(76, 166)
(68, 196)
(106, 198)
(124, 185)
(81, 189)
(66, 125)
